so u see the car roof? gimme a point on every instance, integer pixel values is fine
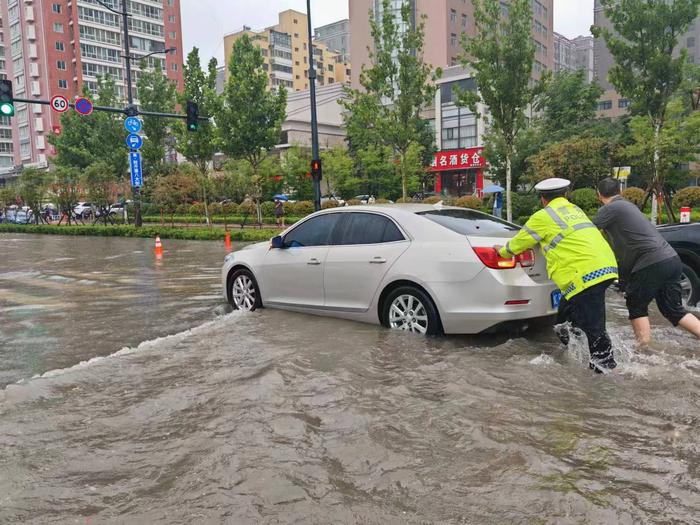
(390, 209)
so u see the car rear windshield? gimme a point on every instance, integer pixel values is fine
(470, 222)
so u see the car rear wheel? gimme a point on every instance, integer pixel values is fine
(244, 293)
(411, 310)
(690, 284)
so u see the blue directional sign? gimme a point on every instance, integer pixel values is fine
(134, 141)
(136, 169)
(133, 125)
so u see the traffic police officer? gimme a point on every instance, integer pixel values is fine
(579, 261)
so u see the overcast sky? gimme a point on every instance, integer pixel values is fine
(205, 22)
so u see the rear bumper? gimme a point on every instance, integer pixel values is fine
(480, 305)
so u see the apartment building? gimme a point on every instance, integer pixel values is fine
(446, 21)
(574, 55)
(285, 50)
(58, 47)
(611, 103)
(7, 159)
(336, 37)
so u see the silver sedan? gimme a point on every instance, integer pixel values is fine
(418, 268)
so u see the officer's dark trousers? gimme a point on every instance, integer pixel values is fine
(586, 312)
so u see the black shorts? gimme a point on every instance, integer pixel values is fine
(660, 281)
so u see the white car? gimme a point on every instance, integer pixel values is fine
(414, 267)
(83, 210)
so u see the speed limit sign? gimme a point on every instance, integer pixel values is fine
(59, 104)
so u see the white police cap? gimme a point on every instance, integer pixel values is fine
(552, 185)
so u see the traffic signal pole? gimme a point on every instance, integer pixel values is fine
(316, 158)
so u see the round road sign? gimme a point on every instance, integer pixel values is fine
(59, 104)
(134, 141)
(83, 106)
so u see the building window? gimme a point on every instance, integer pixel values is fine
(171, 3)
(61, 64)
(453, 40)
(60, 46)
(57, 27)
(464, 20)
(171, 19)
(296, 35)
(173, 67)
(605, 105)
(173, 35)
(296, 21)
(690, 43)
(453, 16)
(56, 8)
(623, 103)
(63, 84)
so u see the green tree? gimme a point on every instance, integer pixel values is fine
(501, 54)
(100, 136)
(567, 105)
(66, 187)
(338, 174)
(296, 164)
(644, 37)
(100, 184)
(8, 197)
(250, 120)
(33, 186)
(173, 190)
(156, 93)
(199, 147)
(386, 111)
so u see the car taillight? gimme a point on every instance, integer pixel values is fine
(527, 259)
(491, 259)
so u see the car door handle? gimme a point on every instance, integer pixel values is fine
(378, 260)
(314, 262)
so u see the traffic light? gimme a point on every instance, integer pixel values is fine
(316, 169)
(192, 116)
(7, 105)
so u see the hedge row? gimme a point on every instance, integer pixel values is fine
(216, 219)
(195, 234)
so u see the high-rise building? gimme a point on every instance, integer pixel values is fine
(60, 47)
(336, 37)
(574, 55)
(604, 59)
(445, 23)
(285, 50)
(7, 159)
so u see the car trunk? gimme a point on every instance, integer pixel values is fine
(537, 273)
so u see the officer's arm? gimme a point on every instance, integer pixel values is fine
(526, 238)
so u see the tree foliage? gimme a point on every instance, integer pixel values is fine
(501, 55)
(157, 93)
(100, 184)
(100, 136)
(33, 186)
(66, 188)
(179, 187)
(338, 174)
(251, 116)
(385, 114)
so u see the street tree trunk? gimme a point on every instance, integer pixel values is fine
(404, 178)
(655, 177)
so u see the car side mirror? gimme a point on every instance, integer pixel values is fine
(277, 243)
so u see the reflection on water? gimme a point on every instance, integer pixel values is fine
(280, 418)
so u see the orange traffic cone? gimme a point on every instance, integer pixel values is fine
(159, 246)
(227, 241)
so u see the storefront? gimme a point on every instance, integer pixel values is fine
(459, 172)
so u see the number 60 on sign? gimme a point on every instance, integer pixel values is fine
(59, 104)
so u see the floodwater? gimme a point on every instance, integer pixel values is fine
(195, 415)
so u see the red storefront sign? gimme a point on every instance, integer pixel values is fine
(458, 159)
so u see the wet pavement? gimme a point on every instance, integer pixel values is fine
(194, 415)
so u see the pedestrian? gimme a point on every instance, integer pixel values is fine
(579, 261)
(650, 268)
(498, 205)
(279, 213)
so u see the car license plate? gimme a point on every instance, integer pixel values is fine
(556, 299)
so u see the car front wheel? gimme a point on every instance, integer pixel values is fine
(411, 310)
(690, 284)
(244, 293)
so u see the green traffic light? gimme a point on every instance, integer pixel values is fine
(7, 109)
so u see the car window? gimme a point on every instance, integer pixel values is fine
(470, 222)
(368, 228)
(313, 232)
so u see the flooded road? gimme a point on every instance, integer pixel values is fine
(281, 418)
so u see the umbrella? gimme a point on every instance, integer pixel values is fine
(493, 189)
(281, 197)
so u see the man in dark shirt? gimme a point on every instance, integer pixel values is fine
(650, 268)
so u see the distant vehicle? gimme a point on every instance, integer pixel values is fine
(83, 210)
(364, 199)
(19, 215)
(329, 198)
(115, 210)
(409, 267)
(685, 239)
(422, 195)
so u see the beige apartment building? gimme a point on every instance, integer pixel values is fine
(445, 23)
(285, 49)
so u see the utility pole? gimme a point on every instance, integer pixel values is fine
(316, 171)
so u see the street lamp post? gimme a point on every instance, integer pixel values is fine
(315, 161)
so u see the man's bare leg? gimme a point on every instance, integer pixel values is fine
(691, 324)
(642, 330)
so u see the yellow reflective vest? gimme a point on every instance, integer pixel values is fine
(578, 256)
